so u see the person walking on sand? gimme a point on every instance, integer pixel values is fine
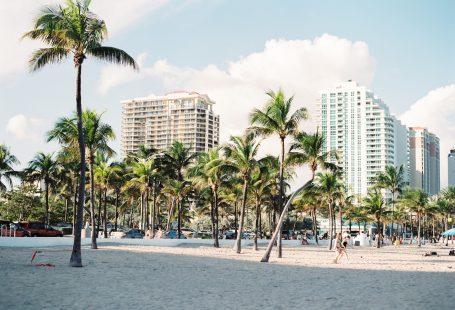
(339, 249)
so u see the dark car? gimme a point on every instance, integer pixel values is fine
(134, 233)
(9, 229)
(36, 229)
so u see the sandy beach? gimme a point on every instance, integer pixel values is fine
(197, 276)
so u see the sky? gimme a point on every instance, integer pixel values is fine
(235, 51)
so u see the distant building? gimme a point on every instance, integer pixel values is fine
(424, 160)
(451, 167)
(158, 121)
(366, 135)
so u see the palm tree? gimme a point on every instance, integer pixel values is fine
(374, 206)
(143, 173)
(391, 179)
(416, 200)
(104, 173)
(210, 172)
(177, 159)
(276, 119)
(73, 30)
(7, 161)
(96, 136)
(179, 190)
(240, 156)
(43, 167)
(330, 188)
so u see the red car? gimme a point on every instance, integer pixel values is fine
(36, 229)
(9, 229)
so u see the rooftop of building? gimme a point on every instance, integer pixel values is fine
(178, 94)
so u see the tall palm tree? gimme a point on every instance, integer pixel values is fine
(416, 200)
(176, 159)
(392, 179)
(309, 200)
(330, 188)
(277, 119)
(104, 173)
(374, 206)
(96, 137)
(73, 30)
(179, 190)
(143, 172)
(7, 172)
(210, 171)
(43, 167)
(240, 156)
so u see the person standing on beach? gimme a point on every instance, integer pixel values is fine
(339, 248)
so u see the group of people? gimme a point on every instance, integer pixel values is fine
(158, 233)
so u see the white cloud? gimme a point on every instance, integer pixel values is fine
(436, 111)
(300, 67)
(25, 128)
(16, 17)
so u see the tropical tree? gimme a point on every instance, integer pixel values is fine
(210, 171)
(43, 167)
(73, 30)
(179, 191)
(7, 172)
(392, 179)
(96, 137)
(277, 119)
(104, 173)
(330, 188)
(373, 204)
(176, 159)
(240, 157)
(416, 200)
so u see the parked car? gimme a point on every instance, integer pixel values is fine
(7, 228)
(133, 233)
(36, 229)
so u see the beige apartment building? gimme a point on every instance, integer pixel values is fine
(424, 160)
(157, 121)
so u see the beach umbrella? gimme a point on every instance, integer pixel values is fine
(450, 232)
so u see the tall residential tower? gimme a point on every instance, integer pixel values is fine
(367, 137)
(158, 121)
(424, 163)
(451, 167)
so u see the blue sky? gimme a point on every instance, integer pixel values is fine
(403, 50)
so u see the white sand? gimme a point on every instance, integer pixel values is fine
(191, 276)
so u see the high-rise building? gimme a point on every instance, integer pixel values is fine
(366, 136)
(451, 167)
(158, 121)
(424, 160)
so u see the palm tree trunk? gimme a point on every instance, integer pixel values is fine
(235, 217)
(341, 218)
(418, 229)
(171, 210)
(46, 215)
(266, 256)
(256, 229)
(76, 256)
(66, 210)
(379, 234)
(74, 211)
(152, 220)
(238, 242)
(315, 226)
(92, 203)
(179, 217)
(142, 212)
(216, 243)
(116, 209)
(100, 202)
(280, 199)
(330, 226)
(105, 213)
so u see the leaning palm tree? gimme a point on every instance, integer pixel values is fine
(392, 179)
(179, 191)
(373, 205)
(43, 167)
(240, 156)
(96, 137)
(73, 30)
(277, 119)
(7, 172)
